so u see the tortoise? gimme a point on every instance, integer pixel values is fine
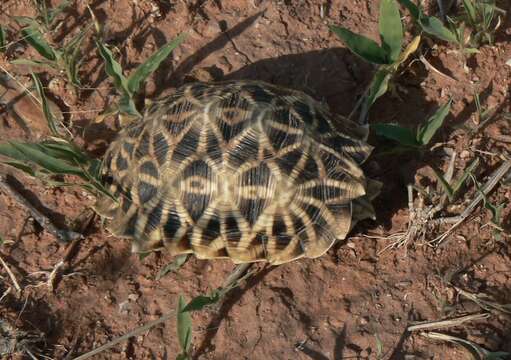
(244, 170)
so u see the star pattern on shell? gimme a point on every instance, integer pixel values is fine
(243, 170)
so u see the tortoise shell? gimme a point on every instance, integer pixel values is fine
(243, 170)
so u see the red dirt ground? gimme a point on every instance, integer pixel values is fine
(333, 307)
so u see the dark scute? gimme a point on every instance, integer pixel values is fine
(232, 230)
(260, 175)
(146, 192)
(195, 204)
(161, 148)
(304, 111)
(298, 224)
(197, 168)
(135, 130)
(279, 226)
(251, 209)
(149, 168)
(128, 147)
(212, 230)
(324, 192)
(310, 171)
(121, 163)
(323, 127)
(129, 229)
(176, 127)
(288, 161)
(198, 89)
(246, 150)
(143, 146)
(230, 131)
(213, 147)
(312, 211)
(172, 224)
(186, 147)
(280, 139)
(154, 218)
(107, 162)
(258, 93)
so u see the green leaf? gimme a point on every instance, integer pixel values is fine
(151, 64)
(3, 39)
(412, 8)
(391, 29)
(34, 37)
(434, 26)
(175, 265)
(471, 11)
(127, 106)
(366, 48)
(469, 170)
(50, 118)
(426, 132)
(41, 63)
(402, 135)
(113, 69)
(21, 166)
(445, 185)
(184, 326)
(35, 153)
(201, 301)
(53, 13)
(379, 86)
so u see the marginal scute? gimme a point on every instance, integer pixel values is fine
(242, 170)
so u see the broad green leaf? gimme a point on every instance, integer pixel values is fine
(113, 69)
(175, 265)
(379, 86)
(184, 326)
(50, 118)
(36, 40)
(366, 48)
(434, 26)
(151, 64)
(201, 301)
(402, 135)
(3, 39)
(426, 132)
(391, 29)
(412, 8)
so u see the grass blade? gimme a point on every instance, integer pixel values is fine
(402, 135)
(427, 131)
(184, 326)
(42, 63)
(201, 301)
(36, 40)
(175, 265)
(366, 48)
(46, 108)
(151, 64)
(36, 154)
(445, 184)
(3, 39)
(471, 11)
(113, 69)
(391, 29)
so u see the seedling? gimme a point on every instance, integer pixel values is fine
(184, 330)
(418, 139)
(56, 156)
(495, 210)
(388, 56)
(173, 266)
(129, 86)
(481, 16)
(66, 59)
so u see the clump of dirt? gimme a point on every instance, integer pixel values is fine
(350, 303)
